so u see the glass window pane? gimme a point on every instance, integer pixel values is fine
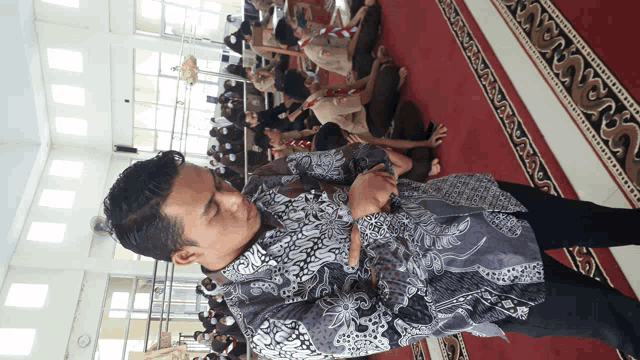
(168, 91)
(167, 61)
(212, 5)
(143, 139)
(147, 62)
(208, 27)
(62, 59)
(144, 116)
(150, 9)
(199, 93)
(164, 140)
(197, 145)
(174, 19)
(199, 123)
(146, 88)
(165, 118)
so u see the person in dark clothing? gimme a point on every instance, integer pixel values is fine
(227, 134)
(206, 322)
(234, 42)
(294, 85)
(220, 343)
(232, 177)
(219, 304)
(274, 118)
(229, 148)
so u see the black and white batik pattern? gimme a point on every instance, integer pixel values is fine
(448, 258)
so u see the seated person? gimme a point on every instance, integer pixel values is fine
(233, 86)
(284, 144)
(335, 53)
(227, 134)
(236, 161)
(232, 100)
(294, 84)
(229, 148)
(351, 106)
(209, 285)
(221, 343)
(230, 113)
(218, 304)
(246, 29)
(229, 175)
(234, 41)
(204, 337)
(209, 323)
(330, 136)
(271, 78)
(280, 117)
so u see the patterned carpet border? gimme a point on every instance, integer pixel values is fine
(602, 108)
(582, 259)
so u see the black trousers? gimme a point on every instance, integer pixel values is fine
(384, 101)
(578, 305)
(409, 125)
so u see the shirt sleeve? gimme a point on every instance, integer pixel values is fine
(355, 320)
(339, 166)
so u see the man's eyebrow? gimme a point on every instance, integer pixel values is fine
(207, 207)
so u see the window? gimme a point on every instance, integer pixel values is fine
(70, 95)
(126, 310)
(65, 60)
(207, 17)
(27, 295)
(60, 199)
(71, 126)
(46, 232)
(67, 3)
(17, 342)
(154, 105)
(72, 169)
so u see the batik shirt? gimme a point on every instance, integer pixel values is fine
(449, 257)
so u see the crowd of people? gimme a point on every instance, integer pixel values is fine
(221, 332)
(339, 249)
(317, 117)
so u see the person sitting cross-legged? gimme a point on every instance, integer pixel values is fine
(298, 249)
(364, 107)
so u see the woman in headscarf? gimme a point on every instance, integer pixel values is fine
(278, 117)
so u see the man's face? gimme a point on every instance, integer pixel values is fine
(215, 215)
(252, 118)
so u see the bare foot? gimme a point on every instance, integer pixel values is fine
(435, 167)
(403, 72)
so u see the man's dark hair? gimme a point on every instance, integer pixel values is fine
(133, 207)
(245, 28)
(329, 137)
(261, 139)
(284, 33)
(196, 334)
(222, 99)
(294, 85)
(213, 132)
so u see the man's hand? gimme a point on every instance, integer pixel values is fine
(292, 117)
(435, 138)
(368, 194)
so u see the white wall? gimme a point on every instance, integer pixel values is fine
(17, 160)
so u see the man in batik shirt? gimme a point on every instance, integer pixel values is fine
(450, 255)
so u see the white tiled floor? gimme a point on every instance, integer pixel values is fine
(585, 172)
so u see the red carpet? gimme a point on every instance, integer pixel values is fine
(457, 81)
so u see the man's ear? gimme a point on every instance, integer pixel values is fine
(187, 256)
